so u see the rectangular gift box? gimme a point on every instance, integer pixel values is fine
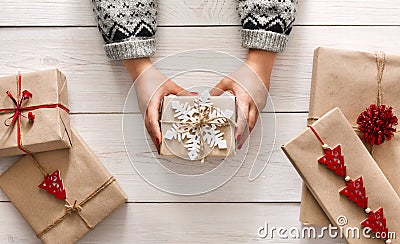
(304, 152)
(85, 180)
(48, 103)
(225, 104)
(349, 80)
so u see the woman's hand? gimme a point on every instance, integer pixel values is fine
(250, 85)
(151, 86)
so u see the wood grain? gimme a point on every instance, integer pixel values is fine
(176, 223)
(201, 13)
(103, 133)
(98, 85)
(37, 35)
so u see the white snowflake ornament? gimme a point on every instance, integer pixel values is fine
(198, 126)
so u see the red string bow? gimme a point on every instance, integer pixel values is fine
(18, 108)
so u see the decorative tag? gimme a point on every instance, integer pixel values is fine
(54, 185)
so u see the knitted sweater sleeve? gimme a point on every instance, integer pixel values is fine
(266, 24)
(128, 27)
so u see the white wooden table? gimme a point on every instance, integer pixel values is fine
(37, 35)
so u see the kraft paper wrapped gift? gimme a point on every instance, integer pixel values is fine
(46, 101)
(305, 150)
(349, 80)
(85, 180)
(215, 116)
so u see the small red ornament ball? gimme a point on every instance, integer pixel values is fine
(377, 124)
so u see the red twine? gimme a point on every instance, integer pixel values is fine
(19, 108)
(377, 123)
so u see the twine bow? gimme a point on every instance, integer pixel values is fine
(72, 208)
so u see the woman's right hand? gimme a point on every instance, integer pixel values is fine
(151, 86)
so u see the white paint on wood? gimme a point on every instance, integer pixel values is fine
(177, 223)
(202, 12)
(99, 85)
(103, 133)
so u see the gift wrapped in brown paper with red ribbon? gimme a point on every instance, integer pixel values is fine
(34, 113)
(365, 86)
(62, 194)
(346, 181)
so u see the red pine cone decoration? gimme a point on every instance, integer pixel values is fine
(377, 123)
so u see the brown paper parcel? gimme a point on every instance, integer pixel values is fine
(82, 174)
(51, 127)
(176, 148)
(348, 80)
(304, 152)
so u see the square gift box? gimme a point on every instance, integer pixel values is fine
(196, 127)
(34, 113)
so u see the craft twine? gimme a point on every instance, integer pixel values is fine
(380, 65)
(77, 208)
(380, 58)
(203, 120)
(72, 208)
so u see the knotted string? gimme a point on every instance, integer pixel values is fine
(78, 207)
(203, 119)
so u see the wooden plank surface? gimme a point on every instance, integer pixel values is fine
(104, 135)
(93, 79)
(176, 223)
(37, 35)
(203, 12)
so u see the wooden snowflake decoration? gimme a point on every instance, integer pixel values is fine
(199, 125)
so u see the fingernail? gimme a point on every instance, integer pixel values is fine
(194, 93)
(240, 146)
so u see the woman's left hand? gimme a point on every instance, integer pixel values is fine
(250, 85)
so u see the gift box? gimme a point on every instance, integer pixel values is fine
(345, 180)
(356, 82)
(195, 127)
(34, 113)
(62, 194)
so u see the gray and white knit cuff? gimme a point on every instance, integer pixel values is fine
(134, 48)
(266, 40)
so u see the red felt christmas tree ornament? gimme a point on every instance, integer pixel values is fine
(355, 191)
(334, 160)
(377, 222)
(54, 185)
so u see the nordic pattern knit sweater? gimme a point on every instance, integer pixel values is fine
(129, 26)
